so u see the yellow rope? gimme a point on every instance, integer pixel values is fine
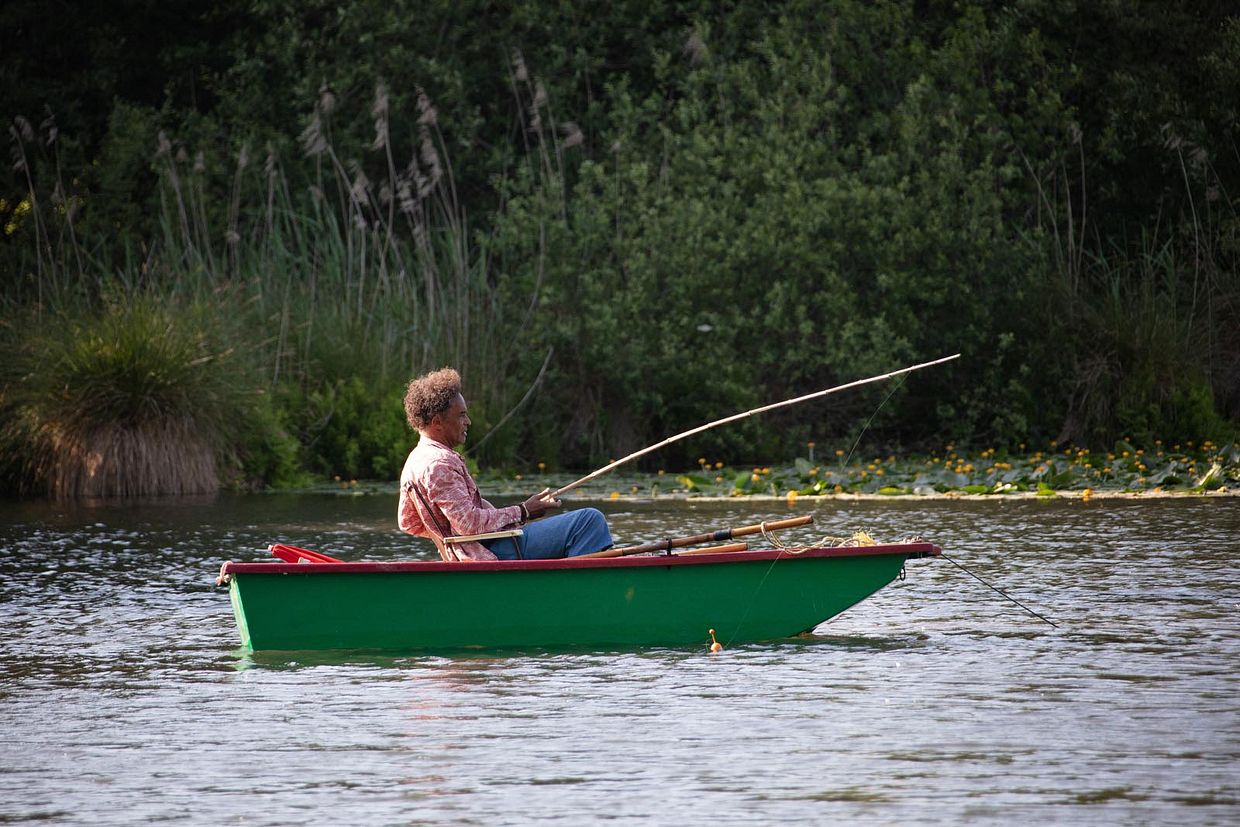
(858, 538)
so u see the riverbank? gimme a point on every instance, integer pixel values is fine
(362, 489)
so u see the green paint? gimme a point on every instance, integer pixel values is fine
(622, 606)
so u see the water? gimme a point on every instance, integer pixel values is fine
(124, 697)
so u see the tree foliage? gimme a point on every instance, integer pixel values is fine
(696, 207)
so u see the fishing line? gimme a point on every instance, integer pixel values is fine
(866, 426)
(753, 597)
(999, 592)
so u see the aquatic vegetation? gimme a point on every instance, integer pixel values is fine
(135, 400)
(1187, 468)
(1077, 472)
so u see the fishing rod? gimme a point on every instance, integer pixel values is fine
(616, 464)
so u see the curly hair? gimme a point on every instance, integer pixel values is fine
(429, 395)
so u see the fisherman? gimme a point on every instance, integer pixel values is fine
(438, 497)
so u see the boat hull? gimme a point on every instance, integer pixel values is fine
(669, 600)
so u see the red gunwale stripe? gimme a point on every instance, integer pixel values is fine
(921, 549)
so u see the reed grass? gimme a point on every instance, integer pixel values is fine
(315, 271)
(369, 263)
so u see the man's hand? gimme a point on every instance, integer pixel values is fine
(540, 504)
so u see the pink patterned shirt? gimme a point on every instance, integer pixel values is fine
(439, 499)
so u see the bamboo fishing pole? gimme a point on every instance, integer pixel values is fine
(613, 465)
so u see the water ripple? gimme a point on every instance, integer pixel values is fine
(124, 697)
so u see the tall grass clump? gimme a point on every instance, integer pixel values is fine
(333, 256)
(125, 400)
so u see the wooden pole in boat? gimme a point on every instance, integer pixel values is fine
(611, 466)
(714, 550)
(708, 537)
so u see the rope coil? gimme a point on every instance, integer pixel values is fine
(855, 540)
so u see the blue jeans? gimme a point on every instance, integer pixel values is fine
(583, 531)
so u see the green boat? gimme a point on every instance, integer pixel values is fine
(319, 603)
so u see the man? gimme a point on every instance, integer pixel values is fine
(438, 497)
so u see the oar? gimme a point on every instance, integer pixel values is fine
(730, 547)
(734, 417)
(708, 537)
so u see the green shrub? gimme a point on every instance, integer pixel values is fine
(351, 429)
(268, 452)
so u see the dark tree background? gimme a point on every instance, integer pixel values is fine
(697, 206)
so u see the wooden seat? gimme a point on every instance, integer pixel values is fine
(450, 556)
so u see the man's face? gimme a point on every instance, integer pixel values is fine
(454, 423)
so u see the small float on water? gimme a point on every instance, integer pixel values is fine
(656, 594)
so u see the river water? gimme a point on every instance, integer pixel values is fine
(124, 697)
